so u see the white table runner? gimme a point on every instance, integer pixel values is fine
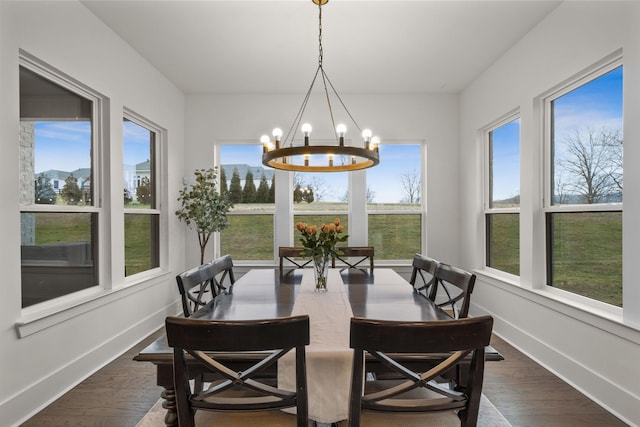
(328, 357)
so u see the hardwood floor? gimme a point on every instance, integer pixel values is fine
(121, 393)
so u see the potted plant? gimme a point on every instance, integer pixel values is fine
(203, 207)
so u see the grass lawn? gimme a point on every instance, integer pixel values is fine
(587, 248)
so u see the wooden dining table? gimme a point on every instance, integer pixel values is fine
(267, 293)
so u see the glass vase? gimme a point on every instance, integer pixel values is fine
(320, 269)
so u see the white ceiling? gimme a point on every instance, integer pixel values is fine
(372, 46)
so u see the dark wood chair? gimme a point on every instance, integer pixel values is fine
(197, 287)
(223, 277)
(361, 253)
(290, 254)
(452, 290)
(244, 393)
(423, 275)
(417, 395)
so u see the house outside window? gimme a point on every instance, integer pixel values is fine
(141, 201)
(58, 143)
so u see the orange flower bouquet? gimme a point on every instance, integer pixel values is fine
(320, 243)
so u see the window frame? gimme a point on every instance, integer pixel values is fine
(597, 70)
(420, 210)
(98, 123)
(216, 238)
(159, 182)
(488, 209)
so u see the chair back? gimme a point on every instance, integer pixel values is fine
(354, 256)
(293, 255)
(196, 287)
(436, 347)
(452, 290)
(223, 277)
(207, 341)
(423, 274)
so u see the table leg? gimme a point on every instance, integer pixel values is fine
(169, 396)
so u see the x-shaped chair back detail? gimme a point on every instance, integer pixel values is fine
(443, 345)
(197, 287)
(206, 341)
(223, 277)
(452, 290)
(423, 275)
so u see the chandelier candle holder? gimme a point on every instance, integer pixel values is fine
(306, 157)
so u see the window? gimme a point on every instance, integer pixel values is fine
(141, 213)
(59, 189)
(583, 202)
(502, 183)
(251, 188)
(394, 197)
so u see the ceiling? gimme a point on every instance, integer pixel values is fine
(271, 46)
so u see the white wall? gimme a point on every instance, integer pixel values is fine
(596, 353)
(36, 369)
(395, 117)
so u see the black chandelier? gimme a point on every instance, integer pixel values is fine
(304, 157)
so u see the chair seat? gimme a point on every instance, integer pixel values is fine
(275, 418)
(416, 397)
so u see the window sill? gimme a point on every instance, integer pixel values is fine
(42, 316)
(596, 314)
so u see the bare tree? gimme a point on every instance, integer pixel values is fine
(590, 164)
(412, 186)
(370, 196)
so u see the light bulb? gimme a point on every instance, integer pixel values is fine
(277, 134)
(306, 129)
(341, 129)
(375, 141)
(264, 139)
(366, 134)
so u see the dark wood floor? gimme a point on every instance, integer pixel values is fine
(527, 395)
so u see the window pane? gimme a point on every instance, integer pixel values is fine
(248, 184)
(504, 165)
(587, 142)
(139, 166)
(396, 183)
(57, 254)
(320, 191)
(251, 188)
(248, 237)
(503, 242)
(141, 248)
(395, 236)
(586, 254)
(55, 143)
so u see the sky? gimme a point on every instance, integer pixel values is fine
(66, 145)
(597, 104)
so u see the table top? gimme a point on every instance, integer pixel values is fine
(269, 293)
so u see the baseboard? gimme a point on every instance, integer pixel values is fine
(19, 407)
(567, 369)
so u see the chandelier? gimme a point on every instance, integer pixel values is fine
(306, 157)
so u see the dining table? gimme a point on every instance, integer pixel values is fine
(271, 293)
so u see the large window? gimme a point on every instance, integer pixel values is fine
(141, 215)
(251, 188)
(583, 202)
(58, 186)
(394, 196)
(502, 190)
